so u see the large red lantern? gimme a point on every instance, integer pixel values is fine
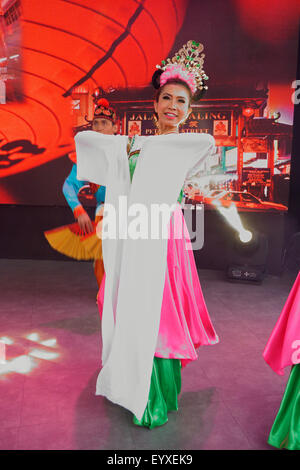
(100, 44)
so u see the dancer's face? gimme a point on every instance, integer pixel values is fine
(173, 106)
(104, 126)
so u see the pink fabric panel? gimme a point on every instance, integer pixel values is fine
(184, 323)
(281, 349)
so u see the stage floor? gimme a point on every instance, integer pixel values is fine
(51, 327)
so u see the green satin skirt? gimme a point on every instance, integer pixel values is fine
(285, 432)
(163, 395)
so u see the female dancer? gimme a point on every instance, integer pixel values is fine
(283, 350)
(153, 312)
(79, 240)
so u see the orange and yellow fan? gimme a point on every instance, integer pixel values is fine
(71, 241)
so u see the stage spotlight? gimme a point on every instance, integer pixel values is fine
(232, 217)
(248, 252)
(248, 257)
(245, 236)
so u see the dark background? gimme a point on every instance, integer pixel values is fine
(238, 60)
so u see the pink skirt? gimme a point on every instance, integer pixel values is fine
(184, 322)
(283, 347)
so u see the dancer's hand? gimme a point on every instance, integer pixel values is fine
(85, 223)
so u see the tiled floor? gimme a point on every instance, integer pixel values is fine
(229, 396)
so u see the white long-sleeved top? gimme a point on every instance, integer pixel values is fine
(135, 268)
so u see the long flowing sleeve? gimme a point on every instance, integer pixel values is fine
(127, 354)
(99, 155)
(102, 160)
(202, 167)
(133, 295)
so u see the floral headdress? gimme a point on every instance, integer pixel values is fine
(186, 65)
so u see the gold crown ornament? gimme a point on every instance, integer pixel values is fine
(187, 65)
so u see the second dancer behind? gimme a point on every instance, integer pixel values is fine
(153, 311)
(79, 240)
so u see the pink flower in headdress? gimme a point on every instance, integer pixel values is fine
(176, 71)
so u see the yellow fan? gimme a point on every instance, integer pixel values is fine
(92, 245)
(70, 241)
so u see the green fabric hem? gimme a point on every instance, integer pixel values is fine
(163, 394)
(283, 445)
(285, 432)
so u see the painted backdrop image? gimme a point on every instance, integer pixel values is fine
(248, 106)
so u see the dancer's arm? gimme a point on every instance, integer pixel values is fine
(71, 188)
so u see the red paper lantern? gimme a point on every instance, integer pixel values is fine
(61, 43)
(248, 112)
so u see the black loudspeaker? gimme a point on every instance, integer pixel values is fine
(247, 261)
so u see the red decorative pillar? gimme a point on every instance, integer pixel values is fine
(271, 165)
(240, 151)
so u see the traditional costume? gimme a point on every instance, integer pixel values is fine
(69, 240)
(153, 312)
(283, 350)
